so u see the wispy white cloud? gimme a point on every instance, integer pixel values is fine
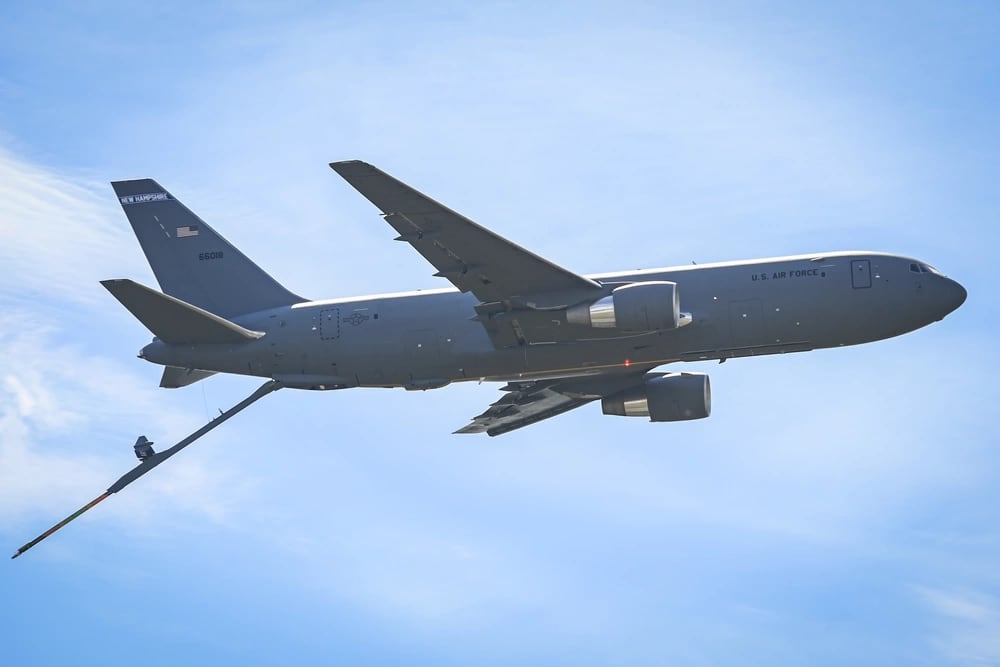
(60, 407)
(58, 235)
(966, 629)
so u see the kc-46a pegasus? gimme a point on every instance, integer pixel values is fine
(557, 339)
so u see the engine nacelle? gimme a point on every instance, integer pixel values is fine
(648, 306)
(664, 398)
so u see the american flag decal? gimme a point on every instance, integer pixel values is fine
(184, 232)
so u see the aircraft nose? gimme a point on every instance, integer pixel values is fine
(951, 295)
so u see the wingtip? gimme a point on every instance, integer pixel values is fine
(346, 167)
(111, 284)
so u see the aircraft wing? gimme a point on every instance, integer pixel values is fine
(472, 257)
(526, 403)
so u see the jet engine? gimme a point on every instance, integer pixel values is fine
(648, 306)
(664, 398)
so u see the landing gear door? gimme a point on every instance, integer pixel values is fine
(861, 273)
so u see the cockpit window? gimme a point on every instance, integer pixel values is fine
(917, 267)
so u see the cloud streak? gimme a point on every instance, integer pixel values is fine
(57, 237)
(57, 403)
(967, 624)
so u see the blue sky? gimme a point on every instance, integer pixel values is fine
(839, 507)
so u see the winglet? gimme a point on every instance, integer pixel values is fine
(175, 321)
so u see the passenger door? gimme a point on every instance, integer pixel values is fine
(861, 274)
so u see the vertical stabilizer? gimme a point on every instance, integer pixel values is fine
(190, 260)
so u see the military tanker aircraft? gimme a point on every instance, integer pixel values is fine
(557, 339)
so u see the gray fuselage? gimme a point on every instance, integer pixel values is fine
(422, 340)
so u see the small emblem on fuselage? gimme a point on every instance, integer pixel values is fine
(357, 318)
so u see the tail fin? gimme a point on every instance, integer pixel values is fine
(173, 321)
(190, 260)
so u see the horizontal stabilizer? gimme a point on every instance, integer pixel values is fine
(174, 378)
(175, 321)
